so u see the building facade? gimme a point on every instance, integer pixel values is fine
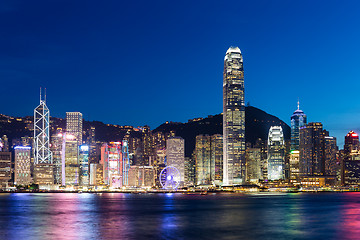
(115, 159)
(56, 149)
(22, 173)
(70, 161)
(84, 164)
(96, 174)
(351, 144)
(276, 153)
(175, 155)
(43, 168)
(234, 166)
(5, 169)
(141, 176)
(330, 155)
(298, 120)
(312, 161)
(295, 167)
(253, 165)
(208, 159)
(74, 125)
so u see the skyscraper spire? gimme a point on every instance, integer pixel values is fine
(298, 103)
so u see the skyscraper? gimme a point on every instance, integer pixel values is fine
(351, 144)
(175, 155)
(74, 124)
(233, 118)
(5, 168)
(330, 155)
(41, 133)
(115, 160)
(209, 153)
(351, 163)
(203, 159)
(276, 153)
(253, 164)
(43, 169)
(56, 149)
(298, 120)
(22, 165)
(70, 161)
(312, 160)
(294, 167)
(84, 165)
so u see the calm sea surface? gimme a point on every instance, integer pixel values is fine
(179, 216)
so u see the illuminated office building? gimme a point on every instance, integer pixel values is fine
(351, 169)
(43, 169)
(84, 164)
(312, 161)
(141, 176)
(5, 168)
(253, 165)
(74, 124)
(203, 159)
(261, 144)
(70, 161)
(233, 118)
(4, 144)
(350, 172)
(295, 167)
(351, 144)
(208, 155)
(276, 153)
(96, 174)
(115, 160)
(175, 155)
(298, 120)
(56, 149)
(92, 145)
(189, 171)
(22, 172)
(330, 155)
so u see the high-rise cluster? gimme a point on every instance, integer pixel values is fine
(136, 157)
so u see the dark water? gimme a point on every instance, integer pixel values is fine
(179, 216)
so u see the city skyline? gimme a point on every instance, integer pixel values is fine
(303, 57)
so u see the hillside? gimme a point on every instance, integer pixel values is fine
(257, 125)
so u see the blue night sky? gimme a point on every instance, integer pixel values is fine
(147, 62)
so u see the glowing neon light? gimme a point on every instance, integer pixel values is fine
(84, 148)
(22, 147)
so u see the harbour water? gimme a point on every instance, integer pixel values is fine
(179, 216)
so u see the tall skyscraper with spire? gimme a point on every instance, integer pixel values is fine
(41, 132)
(233, 118)
(298, 120)
(43, 169)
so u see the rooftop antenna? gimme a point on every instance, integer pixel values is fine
(298, 103)
(40, 95)
(45, 96)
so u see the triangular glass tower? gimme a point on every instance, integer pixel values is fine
(42, 152)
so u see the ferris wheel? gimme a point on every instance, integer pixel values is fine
(170, 177)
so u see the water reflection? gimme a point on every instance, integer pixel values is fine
(350, 221)
(179, 216)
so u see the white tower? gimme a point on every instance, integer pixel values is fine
(233, 118)
(42, 151)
